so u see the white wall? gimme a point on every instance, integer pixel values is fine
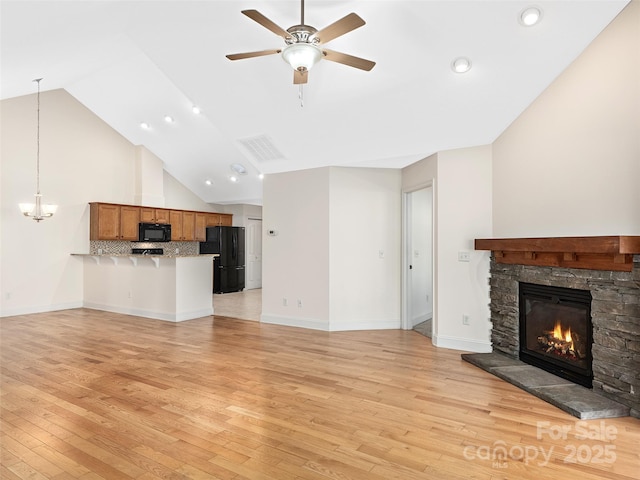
(149, 179)
(331, 224)
(570, 164)
(177, 196)
(365, 208)
(463, 214)
(296, 261)
(462, 210)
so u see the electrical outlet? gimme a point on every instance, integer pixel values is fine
(299, 303)
(284, 302)
(130, 295)
(380, 253)
(465, 319)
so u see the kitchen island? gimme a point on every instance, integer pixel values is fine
(172, 288)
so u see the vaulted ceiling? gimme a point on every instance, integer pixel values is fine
(138, 61)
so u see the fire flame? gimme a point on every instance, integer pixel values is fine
(562, 335)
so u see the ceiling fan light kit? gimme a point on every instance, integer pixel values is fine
(303, 44)
(301, 56)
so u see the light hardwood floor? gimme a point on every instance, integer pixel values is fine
(88, 395)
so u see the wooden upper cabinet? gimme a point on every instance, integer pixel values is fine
(162, 215)
(110, 221)
(154, 215)
(113, 222)
(213, 219)
(175, 219)
(219, 219)
(188, 226)
(201, 226)
(129, 222)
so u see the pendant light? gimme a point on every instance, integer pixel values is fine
(37, 210)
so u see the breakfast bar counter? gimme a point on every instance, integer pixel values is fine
(172, 288)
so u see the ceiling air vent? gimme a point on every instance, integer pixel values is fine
(261, 148)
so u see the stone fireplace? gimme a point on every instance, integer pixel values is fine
(604, 269)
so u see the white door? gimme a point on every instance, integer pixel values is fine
(253, 236)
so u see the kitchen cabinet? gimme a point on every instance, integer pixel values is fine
(182, 226)
(219, 219)
(201, 227)
(113, 222)
(154, 215)
(188, 226)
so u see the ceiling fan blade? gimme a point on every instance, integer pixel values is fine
(261, 53)
(350, 60)
(300, 77)
(342, 26)
(256, 16)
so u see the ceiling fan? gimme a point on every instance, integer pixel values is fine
(304, 44)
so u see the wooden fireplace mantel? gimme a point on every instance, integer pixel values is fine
(593, 253)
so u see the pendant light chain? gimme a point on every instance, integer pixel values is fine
(37, 80)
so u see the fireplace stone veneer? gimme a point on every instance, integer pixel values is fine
(615, 312)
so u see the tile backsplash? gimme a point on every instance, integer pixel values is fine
(115, 247)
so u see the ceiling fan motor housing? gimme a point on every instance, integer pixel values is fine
(301, 34)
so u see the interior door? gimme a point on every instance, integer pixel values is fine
(253, 239)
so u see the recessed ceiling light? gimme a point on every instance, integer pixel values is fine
(233, 178)
(168, 119)
(239, 168)
(196, 110)
(461, 65)
(145, 126)
(530, 16)
(261, 176)
(208, 182)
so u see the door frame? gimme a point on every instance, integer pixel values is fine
(406, 283)
(247, 220)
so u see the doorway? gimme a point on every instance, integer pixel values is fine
(418, 296)
(253, 228)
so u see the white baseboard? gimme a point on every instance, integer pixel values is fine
(328, 327)
(464, 344)
(167, 317)
(11, 312)
(294, 322)
(354, 326)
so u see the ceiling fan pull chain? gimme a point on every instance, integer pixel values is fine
(301, 96)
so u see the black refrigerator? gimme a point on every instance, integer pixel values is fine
(228, 268)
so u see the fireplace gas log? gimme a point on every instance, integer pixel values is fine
(552, 345)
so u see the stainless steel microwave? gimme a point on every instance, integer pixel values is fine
(154, 232)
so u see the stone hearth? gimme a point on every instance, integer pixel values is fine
(615, 307)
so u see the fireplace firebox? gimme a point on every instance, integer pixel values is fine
(556, 331)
